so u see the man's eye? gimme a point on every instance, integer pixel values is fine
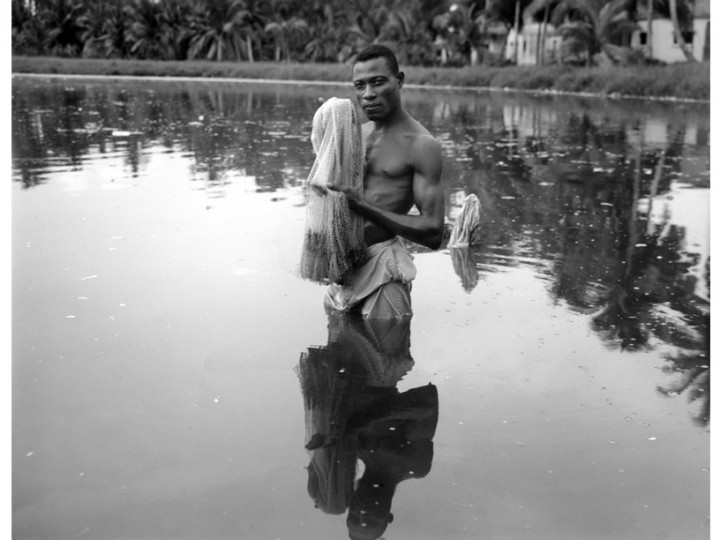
(359, 86)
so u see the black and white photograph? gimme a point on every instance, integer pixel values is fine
(366, 269)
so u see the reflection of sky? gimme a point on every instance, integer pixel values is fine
(689, 208)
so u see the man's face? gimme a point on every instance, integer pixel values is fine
(377, 88)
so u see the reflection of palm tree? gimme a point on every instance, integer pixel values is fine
(354, 411)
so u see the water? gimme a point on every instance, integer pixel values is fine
(553, 383)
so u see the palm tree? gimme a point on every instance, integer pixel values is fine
(593, 25)
(176, 24)
(104, 24)
(146, 31)
(26, 32)
(60, 21)
(678, 32)
(283, 31)
(326, 33)
(462, 27)
(367, 20)
(411, 39)
(218, 30)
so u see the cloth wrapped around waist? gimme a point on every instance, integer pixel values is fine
(387, 262)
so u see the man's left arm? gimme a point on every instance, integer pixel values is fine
(428, 194)
(428, 191)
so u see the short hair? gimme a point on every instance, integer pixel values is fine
(379, 51)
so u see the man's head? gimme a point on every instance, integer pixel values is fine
(377, 80)
(379, 51)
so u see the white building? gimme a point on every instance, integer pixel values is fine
(664, 46)
(529, 43)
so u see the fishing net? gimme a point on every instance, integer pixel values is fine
(333, 241)
(466, 223)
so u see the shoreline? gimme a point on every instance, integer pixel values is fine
(306, 82)
(680, 82)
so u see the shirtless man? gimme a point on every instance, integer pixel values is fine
(403, 168)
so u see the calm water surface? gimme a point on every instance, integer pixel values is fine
(169, 367)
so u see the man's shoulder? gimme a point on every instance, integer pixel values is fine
(424, 142)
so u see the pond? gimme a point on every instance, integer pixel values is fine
(170, 367)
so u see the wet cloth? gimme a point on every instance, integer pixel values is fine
(380, 287)
(333, 242)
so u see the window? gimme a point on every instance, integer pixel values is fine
(687, 37)
(643, 38)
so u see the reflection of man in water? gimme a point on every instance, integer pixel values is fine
(365, 436)
(403, 169)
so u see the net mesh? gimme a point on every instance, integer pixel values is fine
(333, 241)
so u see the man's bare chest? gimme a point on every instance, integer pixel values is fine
(387, 158)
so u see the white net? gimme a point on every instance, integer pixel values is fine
(333, 242)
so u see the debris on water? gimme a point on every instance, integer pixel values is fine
(612, 442)
(94, 276)
(69, 316)
(652, 438)
(29, 454)
(83, 298)
(217, 399)
(703, 469)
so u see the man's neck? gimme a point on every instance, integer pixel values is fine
(392, 119)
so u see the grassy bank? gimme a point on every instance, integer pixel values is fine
(679, 81)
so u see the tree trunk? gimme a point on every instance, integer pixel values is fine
(651, 4)
(517, 30)
(544, 32)
(678, 32)
(251, 58)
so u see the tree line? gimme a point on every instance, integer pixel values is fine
(323, 31)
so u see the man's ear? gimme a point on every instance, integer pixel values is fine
(400, 78)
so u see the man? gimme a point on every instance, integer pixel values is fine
(403, 168)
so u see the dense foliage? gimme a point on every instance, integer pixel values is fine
(423, 32)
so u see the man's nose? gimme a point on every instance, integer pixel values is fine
(368, 93)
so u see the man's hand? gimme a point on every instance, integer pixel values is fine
(351, 194)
